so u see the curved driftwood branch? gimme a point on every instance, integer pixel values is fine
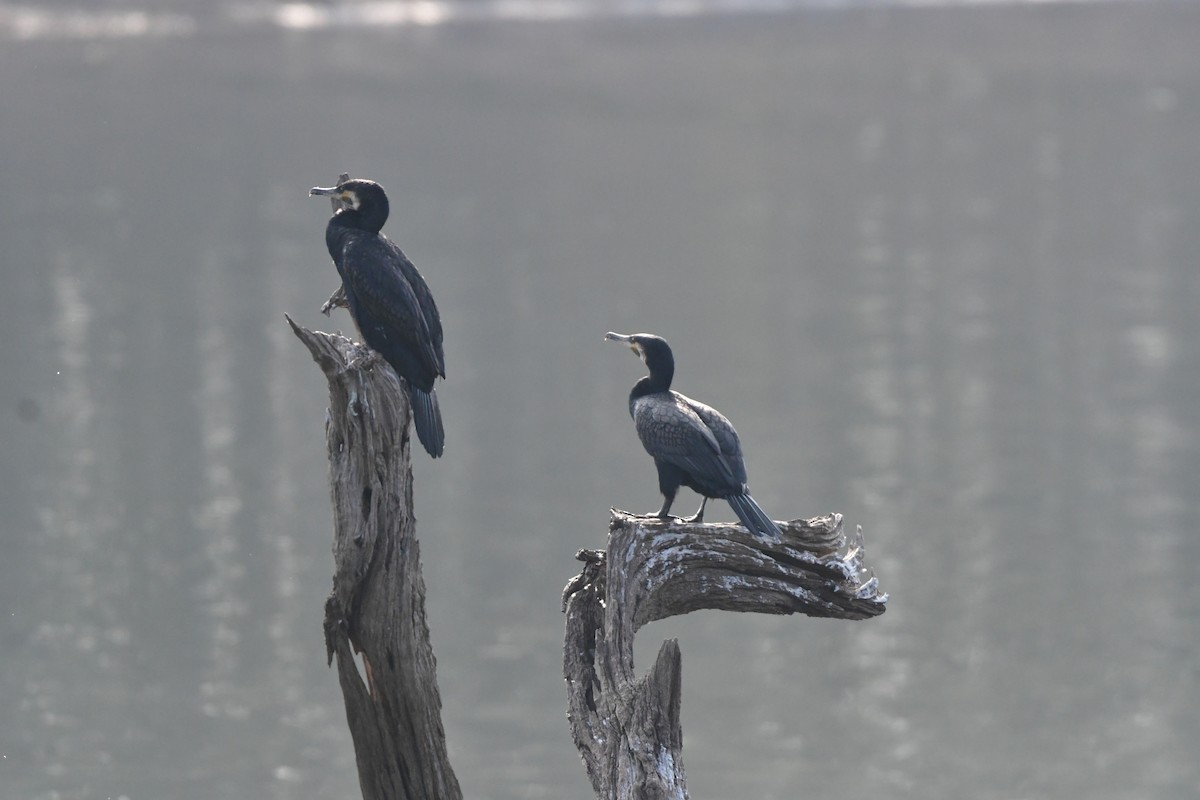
(627, 727)
(377, 608)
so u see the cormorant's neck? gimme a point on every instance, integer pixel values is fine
(659, 380)
(369, 218)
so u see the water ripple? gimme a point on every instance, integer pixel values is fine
(32, 23)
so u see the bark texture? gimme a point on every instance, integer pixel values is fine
(376, 612)
(627, 727)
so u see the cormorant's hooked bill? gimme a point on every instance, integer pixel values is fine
(692, 444)
(344, 194)
(388, 299)
(624, 339)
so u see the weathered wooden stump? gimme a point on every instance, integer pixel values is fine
(627, 727)
(377, 608)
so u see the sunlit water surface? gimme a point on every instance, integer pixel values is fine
(938, 265)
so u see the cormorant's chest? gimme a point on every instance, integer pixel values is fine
(352, 251)
(662, 420)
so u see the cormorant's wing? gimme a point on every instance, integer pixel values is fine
(388, 303)
(429, 310)
(672, 431)
(723, 431)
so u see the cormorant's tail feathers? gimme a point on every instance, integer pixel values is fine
(753, 517)
(427, 419)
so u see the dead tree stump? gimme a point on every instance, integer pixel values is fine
(377, 608)
(627, 727)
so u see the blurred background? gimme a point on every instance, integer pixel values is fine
(937, 262)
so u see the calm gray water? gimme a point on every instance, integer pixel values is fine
(938, 265)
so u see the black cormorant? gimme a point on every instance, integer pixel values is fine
(388, 299)
(692, 444)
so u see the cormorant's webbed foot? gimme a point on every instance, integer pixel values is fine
(663, 513)
(698, 517)
(336, 300)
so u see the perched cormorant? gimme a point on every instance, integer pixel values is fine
(692, 444)
(388, 299)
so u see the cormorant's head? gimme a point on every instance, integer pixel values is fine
(363, 203)
(652, 349)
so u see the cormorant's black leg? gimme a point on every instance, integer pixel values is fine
(699, 515)
(668, 485)
(664, 512)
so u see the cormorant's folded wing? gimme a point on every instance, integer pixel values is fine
(390, 305)
(672, 431)
(724, 434)
(429, 310)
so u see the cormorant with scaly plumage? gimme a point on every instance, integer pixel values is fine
(692, 444)
(388, 299)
